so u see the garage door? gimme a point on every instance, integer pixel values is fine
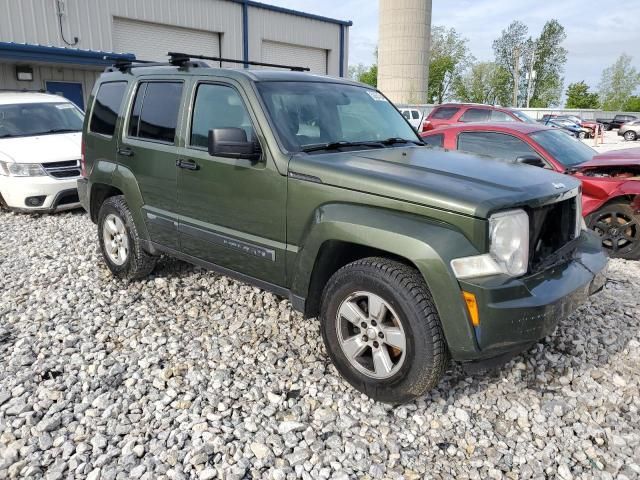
(151, 41)
(289, 54)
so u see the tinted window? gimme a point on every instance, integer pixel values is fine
(523, 117)
(155, 111)
(444, 113)
(415, 114)
(106, 107)
(406, 114)
(434, 140)
(217, 106)
(566, 149)
(498, 116)
(498, 145)
(476, 115)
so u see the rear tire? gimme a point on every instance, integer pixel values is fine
(582, 135)
(630, 136)
(382, 330)
(619, 228)
(120, 243)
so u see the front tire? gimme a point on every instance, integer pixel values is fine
(582, 135)
(382, 330)
(619, 228)
(120, 243)
(630, 136)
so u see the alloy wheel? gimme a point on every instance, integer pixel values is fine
(619, 232)
(115, 238)
(371, 335)
(630, 135)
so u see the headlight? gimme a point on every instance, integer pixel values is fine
(508, 251)
(21, 169)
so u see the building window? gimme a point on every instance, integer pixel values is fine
(106, 107)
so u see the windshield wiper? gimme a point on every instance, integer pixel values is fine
(337, 145)
(394, 140)
(6, 135)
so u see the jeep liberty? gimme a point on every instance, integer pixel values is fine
(319, 190)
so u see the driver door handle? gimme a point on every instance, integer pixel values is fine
(187, 164)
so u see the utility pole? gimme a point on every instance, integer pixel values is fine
(516, 75)
(531, 76)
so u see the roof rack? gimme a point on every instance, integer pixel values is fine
(124, 65)
(178, 58)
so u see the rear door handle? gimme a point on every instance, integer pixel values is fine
(125, 152)
(187, 164)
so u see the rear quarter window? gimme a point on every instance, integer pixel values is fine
(444, 113)
(434, 140)
(106, 107)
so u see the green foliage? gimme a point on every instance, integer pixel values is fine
(549, 60)
(368, 75)
(632, 104)
(618, 83)
(578, 96)
(544, 55)
(485, 82)
(449, 58)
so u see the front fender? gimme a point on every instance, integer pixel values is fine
(428, 245)
(629, 188)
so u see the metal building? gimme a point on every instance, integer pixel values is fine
(60, 45)
(403, 50)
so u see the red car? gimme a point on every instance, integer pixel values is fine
(451, 113)
(610, 181)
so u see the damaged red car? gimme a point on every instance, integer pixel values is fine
(610, 181)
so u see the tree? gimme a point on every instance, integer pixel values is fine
(578, 96)
(508, 49)
(449, 58)
(535, 65)
(485, 82)
(632, 104)
(549, 60)
(618, 83)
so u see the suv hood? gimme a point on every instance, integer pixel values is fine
(53, 147)
(448, 180)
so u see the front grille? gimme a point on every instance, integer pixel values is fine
(66, 169)
(552, 228)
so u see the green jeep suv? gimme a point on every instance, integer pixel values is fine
(318, 190)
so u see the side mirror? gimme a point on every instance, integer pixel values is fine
(232, 143)
(531, 160)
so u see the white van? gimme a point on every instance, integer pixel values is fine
(414, 116)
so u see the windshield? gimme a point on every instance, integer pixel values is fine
(310, 116)
(523, 117)
(28, 119)
(566, 149)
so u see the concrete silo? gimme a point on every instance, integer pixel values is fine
(403, 50)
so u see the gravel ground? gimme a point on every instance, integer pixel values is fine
(612, 141)
(193, 375)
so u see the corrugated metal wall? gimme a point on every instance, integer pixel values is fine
(42, 73)
(277, 27)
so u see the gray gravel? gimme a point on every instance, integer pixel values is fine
(193, 375)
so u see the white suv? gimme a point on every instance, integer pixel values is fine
(40, 138)
(413, 116)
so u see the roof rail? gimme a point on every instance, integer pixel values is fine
(185, 57)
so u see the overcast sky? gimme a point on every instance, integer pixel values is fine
(598, 31)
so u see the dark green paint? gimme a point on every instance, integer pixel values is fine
(426, 206)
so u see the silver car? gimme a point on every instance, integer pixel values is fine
(630, 130)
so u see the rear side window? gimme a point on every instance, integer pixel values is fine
(415, 114)
(476, 115)
(106, 107)
(434, 140)
(444, 113)
(155, 111)
(406, 114)
(499, 145)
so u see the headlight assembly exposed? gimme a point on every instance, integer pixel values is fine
(508, 250)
